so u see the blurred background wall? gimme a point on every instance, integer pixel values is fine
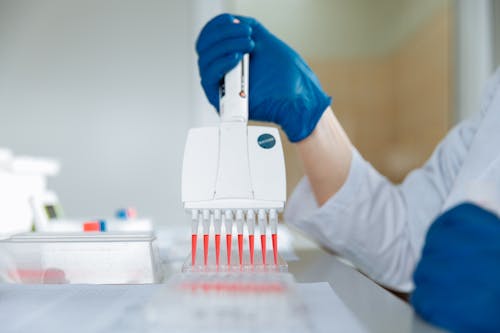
(387, 65)
(110, 87)
(401, 72)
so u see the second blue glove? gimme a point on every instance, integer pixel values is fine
(457, 282)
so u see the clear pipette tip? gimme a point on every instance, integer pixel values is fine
(229, 231)
(239, 227)
(262, 226)
(217, 229)
(206, 232)
(273, 221)
(194, 235)
(251, 233)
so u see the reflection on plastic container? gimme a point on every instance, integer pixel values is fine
(95, 258)
(228, 302)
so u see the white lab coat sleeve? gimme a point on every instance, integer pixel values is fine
(377, 225)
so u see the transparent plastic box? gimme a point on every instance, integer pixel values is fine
(91, 258)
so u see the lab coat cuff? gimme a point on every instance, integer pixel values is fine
(326, 223)
(302, 209)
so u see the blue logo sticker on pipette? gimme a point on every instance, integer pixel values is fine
(266, 141)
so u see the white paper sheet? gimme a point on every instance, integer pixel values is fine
(69, 308)
(119, 308)
(327, 312)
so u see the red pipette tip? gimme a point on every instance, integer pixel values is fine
(251, 242)
(228, 245)
(205, 249)
(217, 249)
(275, 248)
(194, 238)
(240, 248)
(263, 246)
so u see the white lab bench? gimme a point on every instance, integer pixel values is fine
(377, 309)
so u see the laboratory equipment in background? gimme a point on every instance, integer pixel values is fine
(233, 177)
(26, 204)
(48, 217)
(103, 251)
(94, 258)
(228, 302)
(22, 179)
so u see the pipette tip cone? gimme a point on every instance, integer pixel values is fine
(275, 248)
(229, 240)
(263, 246)
(194, 238)
(205, 249)
(240, 248)
(251, 244)
(217, 249)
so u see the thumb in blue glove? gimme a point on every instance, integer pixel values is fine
(283, 89)
(457, 281)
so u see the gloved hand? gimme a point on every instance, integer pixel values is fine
(283, 89)
(458, 278)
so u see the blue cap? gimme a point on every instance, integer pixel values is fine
(102, 225)
(122, 214)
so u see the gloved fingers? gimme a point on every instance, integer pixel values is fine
(424, 306)
(223, 48)
(253, 23)
(218, 68)
(466, 212)
(220, 28)
(212, 92)
(466, 229)
(221, 33)
(457, 277)
(436, 310)
(265, 110)
(457, 307)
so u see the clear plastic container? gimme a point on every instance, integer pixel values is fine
(93, 258)
(228, 302)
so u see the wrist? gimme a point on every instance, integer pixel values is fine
(302, 119)
(326, 155)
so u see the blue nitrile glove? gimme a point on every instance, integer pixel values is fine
(283, 89)
(457, 282)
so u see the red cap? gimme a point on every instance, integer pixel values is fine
(91, 226)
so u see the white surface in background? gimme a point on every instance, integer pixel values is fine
(108, 88)
(474, 52)
(341, 29)
(106, 308)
